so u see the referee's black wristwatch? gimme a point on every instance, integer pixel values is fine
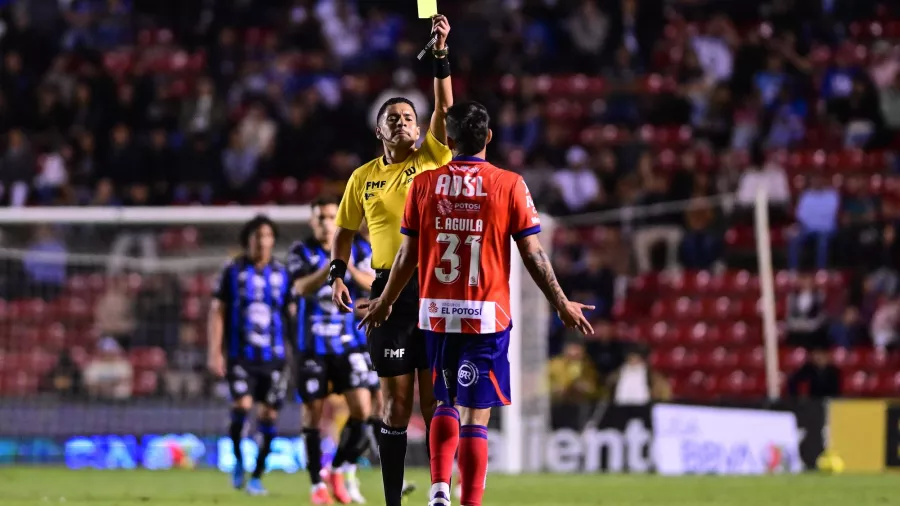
(337, 270)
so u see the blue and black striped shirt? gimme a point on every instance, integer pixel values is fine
(321, 328)
(255, 301)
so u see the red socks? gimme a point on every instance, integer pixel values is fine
(443, 441)
(473, 460)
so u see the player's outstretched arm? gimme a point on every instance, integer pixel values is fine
(401, 272)
(541, 270)
(443, 87)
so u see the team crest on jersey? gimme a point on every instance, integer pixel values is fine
(445, 207)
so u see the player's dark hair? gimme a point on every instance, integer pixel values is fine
(393, 101)
(325, 200)
(467, 125)
(253, 225)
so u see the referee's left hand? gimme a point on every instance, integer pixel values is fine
(377, 312)
(440, 27)
(340, 296)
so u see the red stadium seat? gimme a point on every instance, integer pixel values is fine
(791, 359)
(18, 383)
(146, 383)
(753, 360)
(719, 360)
(846, 359)
(149, 358)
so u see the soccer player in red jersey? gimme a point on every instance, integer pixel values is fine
(458, 224)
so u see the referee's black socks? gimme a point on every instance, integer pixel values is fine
(392, 449)
(312, 438)
(352, 443)
(235, 430)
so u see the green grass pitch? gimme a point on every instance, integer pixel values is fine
(21, 486)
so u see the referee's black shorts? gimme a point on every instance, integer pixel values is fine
(397, 347)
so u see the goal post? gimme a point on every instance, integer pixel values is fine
(152, 252)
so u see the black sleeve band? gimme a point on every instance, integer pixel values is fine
(441, 68)
(337, 271)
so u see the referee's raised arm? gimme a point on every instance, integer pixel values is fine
(443, 87)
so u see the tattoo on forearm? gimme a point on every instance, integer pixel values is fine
(541, 270)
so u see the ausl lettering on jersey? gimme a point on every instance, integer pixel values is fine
(465, 216)
(321, 328)
(255, 301)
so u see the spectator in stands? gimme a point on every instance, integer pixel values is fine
(199, 166)
(588, 29)
(636, 383)
(53, 176)
(186, 363)
(806, 319)
(886, 324)
(859, 234)
(162, 167)
(817, 212)
(109, 375)
(204, 113)
(859, 113)
(885, 275)
(701, 247)
(114, 312)
(838, 79)
(577, 183)
(661, 227)
(240, 164)
(125, 168)
(885, 66)
(16, 170)
(606, 351)
(849, 330)
(573, 378)
(785, 120)
(890, 104)
(818, 378)
(64, 379)
(342, 28)
(257, 131)
(45, 265)
(767, 175)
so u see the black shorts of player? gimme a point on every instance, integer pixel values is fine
(342, 372)
(265, 384)
(398, 346)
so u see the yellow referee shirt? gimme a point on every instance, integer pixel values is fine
(377, 192)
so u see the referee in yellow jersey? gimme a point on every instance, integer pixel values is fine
(377, 192)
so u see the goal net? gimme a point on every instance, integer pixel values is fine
(103, 332)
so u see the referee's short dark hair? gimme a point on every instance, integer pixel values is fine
(467, 125)
(393, 101)
(253, 225)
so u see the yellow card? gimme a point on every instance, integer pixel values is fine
(427, 8)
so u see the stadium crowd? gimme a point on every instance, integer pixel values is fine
(665, 117)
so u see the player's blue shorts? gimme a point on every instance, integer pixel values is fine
(472, 368)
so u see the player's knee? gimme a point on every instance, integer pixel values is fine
(244, 403)
(312, 414)
(473, 416)
(269, 413)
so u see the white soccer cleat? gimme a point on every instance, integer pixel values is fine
(439, 495)
(351, 483)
